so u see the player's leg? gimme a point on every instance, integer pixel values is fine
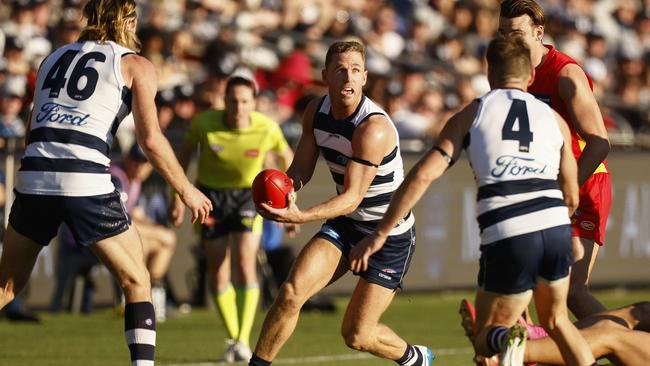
(218, 267)
(550, 302)
(318, 264)
(124, 257)
(159, 245)
(495, 314)
(19, 255)
(635, 316)
(362, 330)
(605, 337)
(581, 302)
(246, 244)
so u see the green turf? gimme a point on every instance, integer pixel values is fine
(197, 338)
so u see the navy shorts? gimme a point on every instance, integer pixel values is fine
(90, 218)
(512, 265)
(233, 212)
(388, 266)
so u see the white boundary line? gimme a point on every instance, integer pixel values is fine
(330, 358)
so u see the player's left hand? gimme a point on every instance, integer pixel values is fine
(361, 252)
(290, 214)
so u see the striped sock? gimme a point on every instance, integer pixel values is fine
(247, 299)
(140, 331)
(227, 308)
(496, 338)
(411, 357)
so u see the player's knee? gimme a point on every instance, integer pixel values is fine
(136, 282)
(355, 339)
(290, 298)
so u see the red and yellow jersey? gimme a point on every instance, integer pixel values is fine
(545, 88)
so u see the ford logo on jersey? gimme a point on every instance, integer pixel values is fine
(515, 166)
(55, 112)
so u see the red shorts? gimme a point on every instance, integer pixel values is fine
(590, 219)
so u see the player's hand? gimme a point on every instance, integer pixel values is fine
(290, 214)
(361, 252)
(176, 211)
(196, 201)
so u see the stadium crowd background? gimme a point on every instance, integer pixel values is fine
(425, 58)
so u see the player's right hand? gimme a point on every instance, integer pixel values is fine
(196, 201)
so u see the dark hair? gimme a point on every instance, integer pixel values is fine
(515, 8)
(107, 22)
(234, 81)
(508, 58)
(340, 47)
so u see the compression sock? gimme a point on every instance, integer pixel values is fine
(227, 308)
(496, 338)
(140, 331)
(247, 299)
(256, 361)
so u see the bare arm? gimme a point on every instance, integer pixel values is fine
(140, 73)
(304, 160)
(371, 141)
(429, 168)
(587, 120)
(568, 176)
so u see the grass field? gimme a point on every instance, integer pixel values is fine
(197, 339)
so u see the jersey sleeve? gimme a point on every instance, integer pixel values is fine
(278, 142)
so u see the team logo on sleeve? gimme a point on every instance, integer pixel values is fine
(587, 225)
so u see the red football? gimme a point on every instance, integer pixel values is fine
(271, 186)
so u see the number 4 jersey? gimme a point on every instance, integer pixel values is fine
(79, 101)
(514, 147)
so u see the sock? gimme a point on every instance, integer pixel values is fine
(411, 357)
(227, 308)
(159, 299)
(140, 331)
(496, 337)
(256, 361)
(247, 299)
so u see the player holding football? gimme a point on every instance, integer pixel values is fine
(233, 146)
(361, 148)
(518, 147)
(562, 84)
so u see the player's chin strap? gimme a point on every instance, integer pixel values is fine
(444, 154)
(364, 162)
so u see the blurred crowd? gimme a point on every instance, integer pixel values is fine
(425, 58)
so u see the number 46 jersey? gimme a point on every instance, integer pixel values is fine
(514, 149)
(79, 101)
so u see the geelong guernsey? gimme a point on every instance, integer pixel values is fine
(334, 139)
(514, 150)
(79, 101)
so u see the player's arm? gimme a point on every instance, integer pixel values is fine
(369, 146)
(573, 88)
(306, 155)
(142, 77)
(431, 166)
(568, 176)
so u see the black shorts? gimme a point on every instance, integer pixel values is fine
(233, 212)
(388, 266)
(512, 265)
(90, 218)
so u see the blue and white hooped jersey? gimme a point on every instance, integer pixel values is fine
(514, 150)
(79, 101)
(334, 139)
